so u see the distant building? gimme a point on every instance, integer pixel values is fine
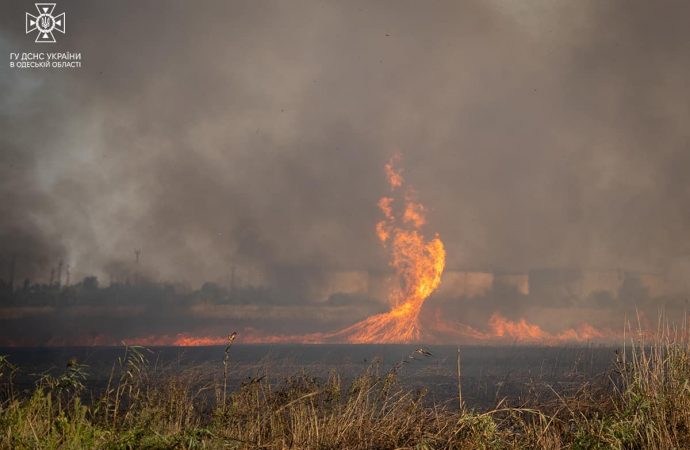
(460, 283)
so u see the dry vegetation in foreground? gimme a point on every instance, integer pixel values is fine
(646, 405)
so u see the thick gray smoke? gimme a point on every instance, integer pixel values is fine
(252, 135)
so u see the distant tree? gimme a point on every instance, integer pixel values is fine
(90, 282)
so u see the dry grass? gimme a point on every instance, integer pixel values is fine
(645, 405)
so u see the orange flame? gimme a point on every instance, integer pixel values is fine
(394, 174)
(418, 265)
(526, 332)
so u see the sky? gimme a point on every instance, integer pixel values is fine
(216, 135)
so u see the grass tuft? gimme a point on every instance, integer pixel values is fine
(645, 404)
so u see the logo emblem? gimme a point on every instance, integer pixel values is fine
(45, 23)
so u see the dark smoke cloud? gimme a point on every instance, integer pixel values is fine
(252, 135)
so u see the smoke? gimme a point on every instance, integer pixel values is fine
(252, 135)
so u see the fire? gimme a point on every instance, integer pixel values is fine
(394, 175)
(191, 341)
(520, 330)
(418, 264)
(177, 340)
(523, 331)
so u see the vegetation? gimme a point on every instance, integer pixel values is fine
(644, 405)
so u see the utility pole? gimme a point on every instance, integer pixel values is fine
(67, 275)
(12, 262)
(137, 255)
(59, 273)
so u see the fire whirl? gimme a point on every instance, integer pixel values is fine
(418, 264)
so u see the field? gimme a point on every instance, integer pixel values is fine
(355, 397)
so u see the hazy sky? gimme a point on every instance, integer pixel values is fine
(211, 134)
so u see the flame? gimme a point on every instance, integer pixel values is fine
(177, 340)
(414, 214)
(418, 264)
(394, 174)
(524, 331)
(521, 330)
(192, 341)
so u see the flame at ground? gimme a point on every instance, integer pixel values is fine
(418, 265)
(525, 332)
